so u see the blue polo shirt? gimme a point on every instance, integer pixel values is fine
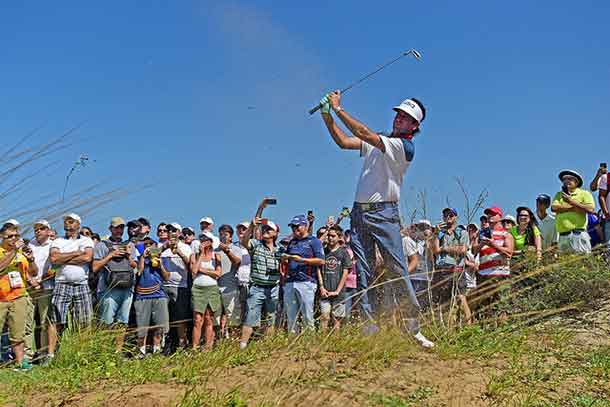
(308, 248)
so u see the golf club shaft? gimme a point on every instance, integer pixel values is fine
(415, 53)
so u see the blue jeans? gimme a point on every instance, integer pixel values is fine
(115, 305)
(350, 293)
(380, 226)
(606, 226)
(299, 297)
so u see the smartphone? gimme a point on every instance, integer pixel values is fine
(603, 165)
(564, 189)
(264, 221)
(310, 213)
(345, 212)
(271, 201)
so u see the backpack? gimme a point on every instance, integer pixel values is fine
(119, 273)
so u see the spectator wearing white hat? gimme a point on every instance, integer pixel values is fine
(263, 295)
(41, 297)
(72, 254)
(243, 273)
(228, 283)
(572, 204)
(509, 222)
(416, 246)
(176, 256)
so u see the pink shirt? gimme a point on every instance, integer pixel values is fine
(351, 281)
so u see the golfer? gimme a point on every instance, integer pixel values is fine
(375, 219)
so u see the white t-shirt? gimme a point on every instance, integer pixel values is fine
(470, 274)
(603, 184)
(175, 266)
(412, 247)
(243, 272)
(41, 257)
(72, 273)
(548, 231)
(203, 280)
(382, 173)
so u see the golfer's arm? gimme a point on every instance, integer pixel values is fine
(360, 130)
(339, 136)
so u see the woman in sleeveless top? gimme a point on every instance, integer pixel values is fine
(206, 269)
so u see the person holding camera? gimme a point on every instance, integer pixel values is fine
(206, 269)
(176, 256)
(603, 185)
(115, 261)
(449, 245)
(16, 269)
(150, 301)
(228, 283)
(263, 295)
(572, 204)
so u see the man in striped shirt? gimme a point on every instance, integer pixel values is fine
(264, 276)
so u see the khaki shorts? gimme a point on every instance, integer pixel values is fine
(15, 313)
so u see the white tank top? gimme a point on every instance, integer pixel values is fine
(203, 280)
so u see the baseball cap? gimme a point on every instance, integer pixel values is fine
(134, 223)
(224, 227)
(117, 221)
(42, 222)
(176, 226)
(298, 220)
(244, 224)
(474, 225)
(494, 210)
(13, 222)
(271, 225)
(544, 198)
(143, 221)
(411, 108)
(424, 222)
(452, 210)
(188, 231)
(72, 216)
(206, 219)
(510, 218)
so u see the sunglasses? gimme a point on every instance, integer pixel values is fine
(161, 230)
(13, 236)
(524, 216)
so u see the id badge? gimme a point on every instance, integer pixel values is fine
(15, 280)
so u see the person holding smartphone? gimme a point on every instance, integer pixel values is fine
(572, 204)
(603, 185)
(601, 171)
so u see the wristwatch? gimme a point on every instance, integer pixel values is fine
(338, 109)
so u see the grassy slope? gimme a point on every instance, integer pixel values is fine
(517, 364)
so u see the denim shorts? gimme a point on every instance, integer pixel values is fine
(261, 298)
(115, 305)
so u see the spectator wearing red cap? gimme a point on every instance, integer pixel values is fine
(495, 249)
(495, 246)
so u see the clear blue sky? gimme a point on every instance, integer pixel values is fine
(515, 91)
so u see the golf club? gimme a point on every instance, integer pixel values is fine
(413, 52)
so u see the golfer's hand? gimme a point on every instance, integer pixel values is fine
(325, 103)
(334, 99)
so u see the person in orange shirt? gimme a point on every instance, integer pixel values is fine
(15, 268)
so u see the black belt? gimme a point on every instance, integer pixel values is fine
(572, 232)
(374, 206)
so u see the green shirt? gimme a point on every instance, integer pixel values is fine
(571, 220)
(264, 264)
(520, 238)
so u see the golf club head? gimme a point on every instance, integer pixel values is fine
(416, 54)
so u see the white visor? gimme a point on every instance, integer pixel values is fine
(412, 109)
